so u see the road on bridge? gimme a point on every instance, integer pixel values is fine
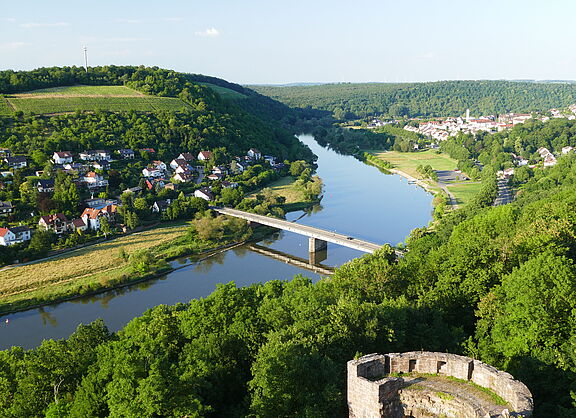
(309, 231)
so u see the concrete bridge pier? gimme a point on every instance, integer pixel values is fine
(317, 257)
(315, 244)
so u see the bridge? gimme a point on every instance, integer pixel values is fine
(318, 238)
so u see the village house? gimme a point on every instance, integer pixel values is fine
(95, 155)
(93, 179)
(57, 222)
(237, 167)
(204, 193)
(204, 155)
(178, 162)
(62, 157)
(79, 225)
(566, 150)
(92, 217)
(101, 165)
(75, 167)
(155, 183)
(254, 154)
(136, 189)
(228, 185)
(45, 186)
(152, 171)
(95, 202)
(549, 160)
(126, 153)
(148, 150)
(183, 169)
(5, 152)
(6, 208)
(14, 235)
(186, 156)
(214, 177)
(18, 161)
(171, 186)
(184, 177)
(160, 206)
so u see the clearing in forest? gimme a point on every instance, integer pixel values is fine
(91, 98)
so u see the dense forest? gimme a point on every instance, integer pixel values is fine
(495, 283)
(349, 101)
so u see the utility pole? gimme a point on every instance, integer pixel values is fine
(86, 59)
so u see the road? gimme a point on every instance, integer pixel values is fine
(309, 231)
(504, 193)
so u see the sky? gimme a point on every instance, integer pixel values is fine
(278, 42)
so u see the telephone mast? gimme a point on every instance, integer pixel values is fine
(86, 58)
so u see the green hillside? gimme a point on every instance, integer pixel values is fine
(82, 90)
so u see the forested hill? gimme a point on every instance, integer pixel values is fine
(444, 98)
(174, 112)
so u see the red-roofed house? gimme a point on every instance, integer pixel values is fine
(57, 222)
(14, 235)
(91, 217)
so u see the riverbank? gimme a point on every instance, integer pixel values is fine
(406, 165)
(111, 264)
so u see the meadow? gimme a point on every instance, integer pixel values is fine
(5, 108)
(82, 90)
(90, 98)
(409, 161)
(81, 270)
(224, 92)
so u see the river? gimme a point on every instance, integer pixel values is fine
(358, 201)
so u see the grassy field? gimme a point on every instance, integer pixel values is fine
(89, 98)
(464, 192)
(114, 104)
(81, 90)
(409, 161)
(224, 92)
(287, 188)
(77, 271)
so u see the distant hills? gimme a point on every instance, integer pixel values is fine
(347, 101)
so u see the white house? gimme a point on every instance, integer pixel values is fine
(566, 150)
(186, 156)
(92, 217)
(62, 157)
(184, 177)
(95, 155)
(549, 160)
(14, 235)
(254, 154)
(126, 153)
(204, 155)
(152, 172)
(204, 193)
(93, 179)
(18, 161)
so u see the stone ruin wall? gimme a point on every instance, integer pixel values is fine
(373, 394)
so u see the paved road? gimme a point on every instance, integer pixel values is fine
(504, 193)
(309, 231)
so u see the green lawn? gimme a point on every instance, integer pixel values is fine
(111, 103)
(464, 192)
(224, 92)
(409, 161)
(81, 90)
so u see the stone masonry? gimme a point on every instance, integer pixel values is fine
(374, 393)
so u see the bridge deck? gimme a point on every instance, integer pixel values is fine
(309, 231)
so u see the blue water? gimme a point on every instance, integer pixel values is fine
(358, 201)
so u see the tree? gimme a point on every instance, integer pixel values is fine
(105, 227)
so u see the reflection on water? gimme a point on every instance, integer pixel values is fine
(358, 201)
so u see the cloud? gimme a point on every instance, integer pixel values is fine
(9, 19)
(209, 33)
(173, 19)
(29, 25)
(11, 46)
(128, 21)
(127, 39)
